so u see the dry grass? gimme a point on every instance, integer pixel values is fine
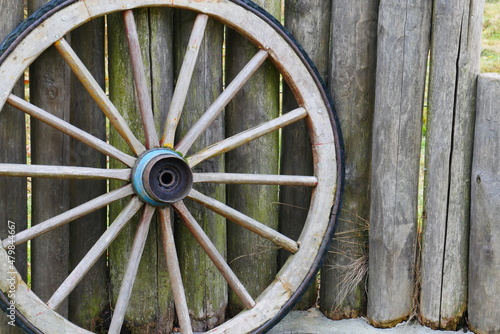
(490, 53)
(352, 246)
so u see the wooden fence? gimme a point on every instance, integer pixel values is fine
(403, 78)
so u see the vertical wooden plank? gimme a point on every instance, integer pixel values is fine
(402, 51)
(352, 84)
(253, 259)
(150, 304)
(309, 23)
(484, 259)
(206, 294)
(13, 144)
(454, 66)
(89, 300)
(49, 88)
(162, 85)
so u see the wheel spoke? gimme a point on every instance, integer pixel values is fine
(141, 86)
(70, 130)
(216, 108)
(71, 215)
(131, 271)
(98, 94)
(184, 80)
(94, 253)
(245, 221)
(64, 172)
(261, 179)
(214, 255)
(247, 136)
(174, 271)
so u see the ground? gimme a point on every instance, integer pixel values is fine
(313, 322)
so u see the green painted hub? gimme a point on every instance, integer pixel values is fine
(161, 177)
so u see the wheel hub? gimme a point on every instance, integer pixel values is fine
(161, 177)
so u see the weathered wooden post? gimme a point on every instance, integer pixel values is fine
(484, 258)
(352, 85)
(456, 40)
(252, 258)
(207, 293)
(296, 156)
(50, 79)
(402, 52)
(89, 300)
(13, 135)
(151, 305)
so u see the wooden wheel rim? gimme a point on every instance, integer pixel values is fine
(324, 135)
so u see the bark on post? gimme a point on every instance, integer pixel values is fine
(484, 259)
(150, 308)
(296, 156)
(13, 135)
(207, 293)
(89, 300)
(50, 79)
(403, 40)
(252, 258)
(456, 40)
(352, 84)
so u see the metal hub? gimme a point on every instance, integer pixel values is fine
(161, 177)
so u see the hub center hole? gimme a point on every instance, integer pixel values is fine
(167, 178)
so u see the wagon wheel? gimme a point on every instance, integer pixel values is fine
(159, 175)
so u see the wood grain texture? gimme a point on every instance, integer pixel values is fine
(150, 307)
(253, 259)
(454, 66)
(161, 25)
(13, 150)
(484, 259)
(309, 22)
(402, 51)
(206, 294)
(50, 79)
(352, 85)
(89, 300)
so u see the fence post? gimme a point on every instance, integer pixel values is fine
(89, 300)
(403, 44)
(484, 258)
(13, 134)
(309, 22)
(352, 84)
(150, 307)
(456, 37)
(252, 258)
(49, 89)
(161, 45)
(207, 293)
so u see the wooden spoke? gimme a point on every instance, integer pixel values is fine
(64, 172)
(214, 255)
(263, 179)
(184, 80)
(245, 221)
(131, 271)
(71, 215)
(98, 94)
(70, 130)
(216, 108)
(141, 85)
(247, 136)
(174, 271)
(94, 253)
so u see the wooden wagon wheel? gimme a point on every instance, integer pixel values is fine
(159, 174)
